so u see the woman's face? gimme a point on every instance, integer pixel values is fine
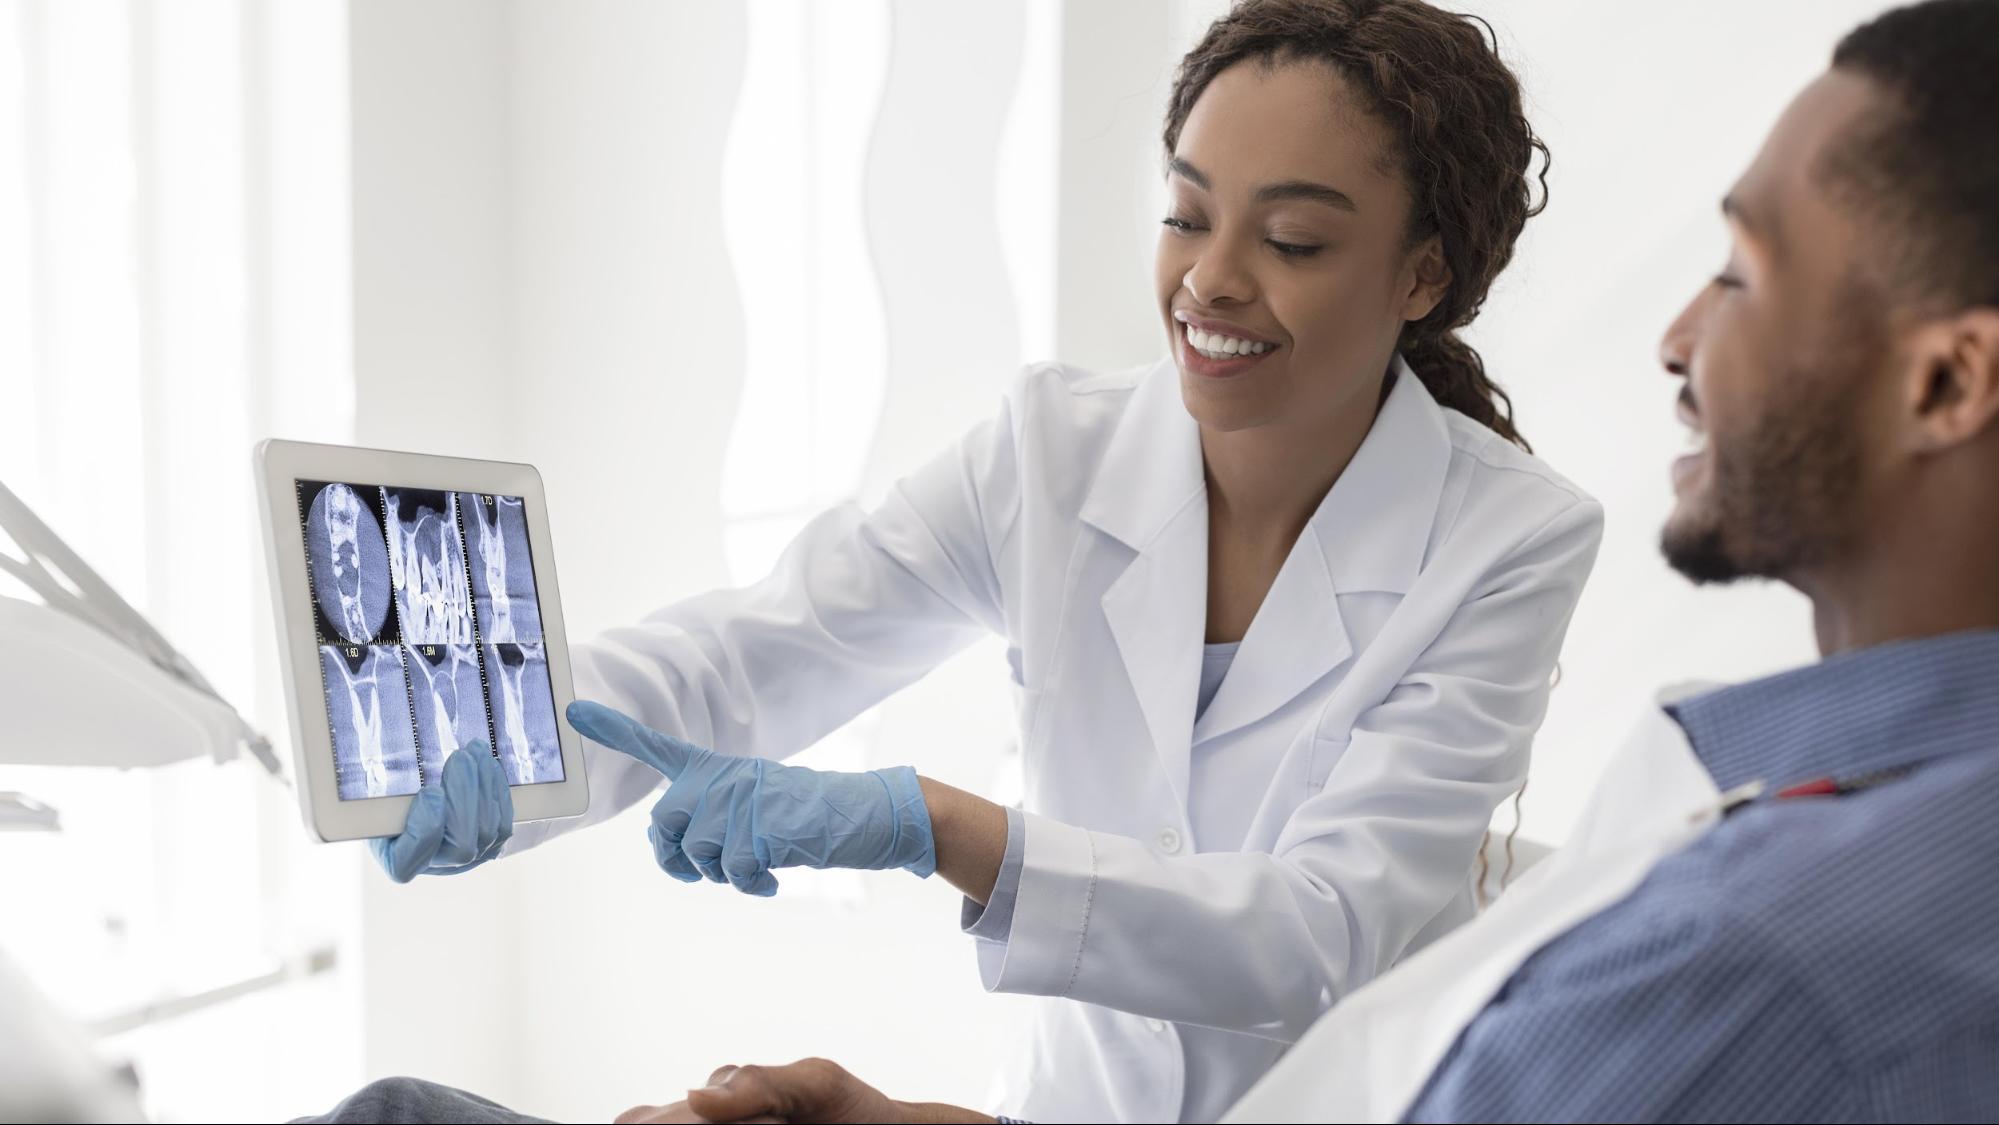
(1284, 271)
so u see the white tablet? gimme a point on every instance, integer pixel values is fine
(417, 612)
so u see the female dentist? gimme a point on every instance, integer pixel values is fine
(1281, 610)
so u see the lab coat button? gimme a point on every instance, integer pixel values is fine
(1169, 840)
(1155, 1026)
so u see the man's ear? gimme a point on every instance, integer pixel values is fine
(1430, 279)
(1954, 382)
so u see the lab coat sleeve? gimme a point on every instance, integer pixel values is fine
(1264, 943)
(859, 605)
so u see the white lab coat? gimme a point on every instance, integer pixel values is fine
(1373, 1054)
(1195, 893)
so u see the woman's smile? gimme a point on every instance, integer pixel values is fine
(1216, 349)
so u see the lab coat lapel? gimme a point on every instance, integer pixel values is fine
(1295, 638)
(1370, 533)
(1157, 610)
(1149, 495)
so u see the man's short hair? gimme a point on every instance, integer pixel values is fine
(1925, 167)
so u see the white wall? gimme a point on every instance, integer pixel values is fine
(538, 251)
(434, 369)
(1117, 61)
(629, 330)
(539, 254)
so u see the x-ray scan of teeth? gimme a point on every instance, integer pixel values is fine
(430, 634)
(523, 713)
(496, 532)
(349, 561)
(427, 562)
(450, 702)
(367, 704)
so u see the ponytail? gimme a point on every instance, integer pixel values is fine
(1453, 373)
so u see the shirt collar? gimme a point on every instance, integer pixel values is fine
(1879, 708)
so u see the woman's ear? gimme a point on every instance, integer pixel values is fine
(1427, 278)
(1954, 379)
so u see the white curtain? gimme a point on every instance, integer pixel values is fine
(172, 287)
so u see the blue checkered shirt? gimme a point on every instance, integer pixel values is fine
(1811, 959)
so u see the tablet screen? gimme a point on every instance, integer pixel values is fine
(429, 634)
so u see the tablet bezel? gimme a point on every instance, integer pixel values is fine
(281, 465)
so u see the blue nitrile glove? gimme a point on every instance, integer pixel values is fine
(455, 825)
(733, 819)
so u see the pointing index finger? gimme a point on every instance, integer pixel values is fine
(627, 735)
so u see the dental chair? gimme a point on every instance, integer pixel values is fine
(72, 644)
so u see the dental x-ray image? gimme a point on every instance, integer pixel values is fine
(523, 713)
(496, 536)
(450, 703)
(427, 564)
(348, 560)
(449, 576)
(368, 707)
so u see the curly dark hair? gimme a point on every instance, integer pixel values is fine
(1436, 80)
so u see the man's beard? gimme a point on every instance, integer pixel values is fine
(1780, 498)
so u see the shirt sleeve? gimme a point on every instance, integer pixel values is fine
(992, 921)
(1637, 1015)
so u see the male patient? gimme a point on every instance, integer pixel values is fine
(1826, 957)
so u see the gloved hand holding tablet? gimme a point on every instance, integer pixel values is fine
(421, 635)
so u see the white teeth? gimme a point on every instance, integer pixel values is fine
(1216, 346)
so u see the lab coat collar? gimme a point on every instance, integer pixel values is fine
(1149, 493)
(1372, 529)
(1157, 613)
(1370, 533)
(1152, 469)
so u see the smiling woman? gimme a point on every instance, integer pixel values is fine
(1329, 210)
(1280, 608)
(1395, 155)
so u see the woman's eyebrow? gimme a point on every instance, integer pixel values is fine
(1270, 193)
(1306, 190)
(1188, 172)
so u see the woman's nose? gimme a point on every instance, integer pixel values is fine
(1218, 276)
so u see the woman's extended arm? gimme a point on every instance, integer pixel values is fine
(971, 838)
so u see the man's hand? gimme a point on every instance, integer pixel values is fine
(675, 1114)
(809, 1090)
